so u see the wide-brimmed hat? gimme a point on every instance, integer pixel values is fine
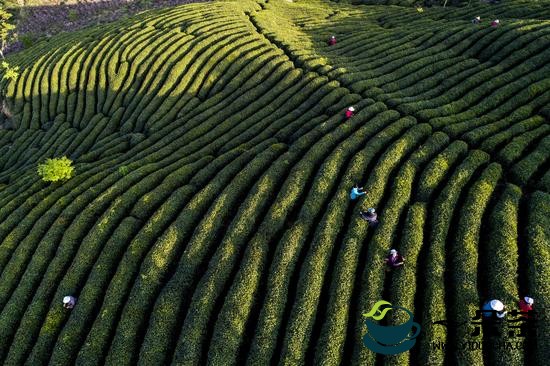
(66, 299)
(497, 305)
(351, 109)
(497, 21)
(332, 36)
(393, 252)
(371, 210)
(478, 18)
(528, 300)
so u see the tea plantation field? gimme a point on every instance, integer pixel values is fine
(209, 221)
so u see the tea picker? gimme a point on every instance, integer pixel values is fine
(356, 192)
(332, 41)
(526, 305)
(69, 302)
(349, 112)
(370, 216)
(394, 259)
(493, 306)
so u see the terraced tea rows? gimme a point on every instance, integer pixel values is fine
(209, 220)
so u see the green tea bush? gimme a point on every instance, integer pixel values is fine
(210, 219)
(544, 183)
(538, 253)
(403, 288)
(113, 208)
(97, 345)
(190, 342)
(523, 170)
(205, 234)
(464, 257)
(501, 255)
(270, 317)
(437, 169)
(434, 287)
(514, 150)
(71, 335)
(491, 143)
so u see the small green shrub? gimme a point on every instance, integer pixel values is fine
(27, 40)
(72, 15)
(53, 170)
(10, 72)
(123, 170)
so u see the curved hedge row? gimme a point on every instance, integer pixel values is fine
(463, 259)
(538, 254)
(502, 258)
(433, 294)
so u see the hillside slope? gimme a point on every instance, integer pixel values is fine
(209, 219)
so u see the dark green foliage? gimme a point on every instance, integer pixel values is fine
(437, 169)
(523, 171)
(538, 254)
(210, 221)
(403, 288)
(501, 256)
(463, 255)
(434, 285)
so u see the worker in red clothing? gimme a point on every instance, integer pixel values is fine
(349, 112)
(332, 41)
(526, 305)
(495, 23)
